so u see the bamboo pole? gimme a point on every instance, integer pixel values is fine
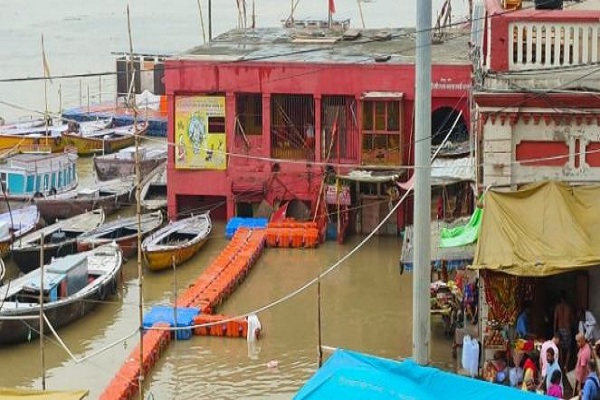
(139, 218)
(42, 355)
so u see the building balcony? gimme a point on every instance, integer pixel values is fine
(530, 39)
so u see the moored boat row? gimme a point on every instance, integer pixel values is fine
(59, 239)
(90, 137)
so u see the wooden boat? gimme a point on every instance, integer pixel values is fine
(123, 231)
(60, 239)
(153, 195)
(32, 123)
(103, 141)
(73, 286)
(39, 137)
(122, 163)
(26, 175)
(15, 224)
(110, 196)
(177, 242)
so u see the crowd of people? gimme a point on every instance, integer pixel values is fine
(542, 372)
(550, 369)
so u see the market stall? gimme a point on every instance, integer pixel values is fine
(533, 244)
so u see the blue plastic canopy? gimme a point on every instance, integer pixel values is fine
(352, 375)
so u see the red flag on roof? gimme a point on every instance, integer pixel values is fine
(332, 6)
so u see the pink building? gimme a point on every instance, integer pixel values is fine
(258, 115)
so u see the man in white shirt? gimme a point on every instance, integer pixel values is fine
(549, 344)
(588, 326)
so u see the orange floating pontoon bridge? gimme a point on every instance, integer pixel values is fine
(205, 294)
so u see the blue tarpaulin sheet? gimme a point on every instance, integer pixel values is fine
(352, 375)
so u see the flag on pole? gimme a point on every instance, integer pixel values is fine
(45, 61)
(331, 7)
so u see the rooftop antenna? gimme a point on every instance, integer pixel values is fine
(209, 21)
(201, 21)
(360, 11)
(330, 12)
(444, 20)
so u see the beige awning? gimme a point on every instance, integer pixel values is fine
(382, 95)
(543, 229)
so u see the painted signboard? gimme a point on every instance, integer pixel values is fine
(200, 132)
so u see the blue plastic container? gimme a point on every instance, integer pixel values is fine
(166, 314)
(238, 222)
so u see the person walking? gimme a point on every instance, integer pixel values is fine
(551, 367)
(553, 344)
(591, 385)
(584, 356)
(563, 324)
(555, 389)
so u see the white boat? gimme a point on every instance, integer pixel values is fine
(72, 287)
(27, 175)
(15, 224)
(153, 195)
(122, 163)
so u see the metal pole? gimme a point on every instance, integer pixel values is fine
(139, 220)
(209, 21)
(42, 358)
(60, 98)
(422, 205)
(319, 322)
(201, 22)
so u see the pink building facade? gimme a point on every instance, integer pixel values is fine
(276, 121)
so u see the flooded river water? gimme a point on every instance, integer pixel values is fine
(365, 304)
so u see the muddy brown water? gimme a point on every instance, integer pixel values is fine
(365, 304)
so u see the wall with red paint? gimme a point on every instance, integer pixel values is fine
(298, 179)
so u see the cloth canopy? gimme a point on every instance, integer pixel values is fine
(542, 229)
(30, 394)
(351, 375)
(462, 235)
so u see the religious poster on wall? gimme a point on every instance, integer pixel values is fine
(200, 132)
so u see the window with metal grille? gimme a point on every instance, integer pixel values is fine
(339, 124)
(248, 114)
(292, 126)
(381, 132)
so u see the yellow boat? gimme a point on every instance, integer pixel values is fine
(176, 243)
(31, 142)
(36, 137)
(104, 141)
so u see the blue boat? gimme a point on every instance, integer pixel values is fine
(27, 175)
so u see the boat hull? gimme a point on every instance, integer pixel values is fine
(53, 209)
(163, 259)
(25, 143)
(89, 145)
(18, 330)
(5, 247)
(28, 259)
(128, 245)
(111, 169)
